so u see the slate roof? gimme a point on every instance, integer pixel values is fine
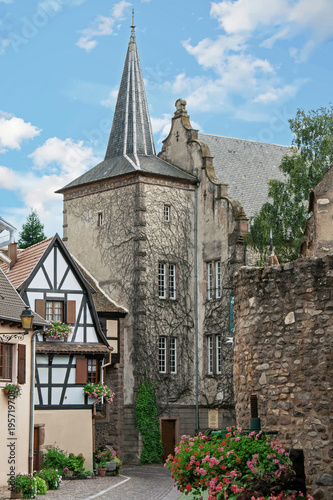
(26, 261)
(131, 143)
(70, 348)
(11, 304)
(246, 166)
(102, 302)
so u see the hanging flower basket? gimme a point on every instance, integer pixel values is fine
(58, 331)
(15, 390)
(99, 391)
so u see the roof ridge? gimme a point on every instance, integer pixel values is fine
(245, 140)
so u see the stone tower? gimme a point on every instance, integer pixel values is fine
(162, 239)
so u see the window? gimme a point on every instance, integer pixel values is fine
(166, 213)
(6, 361)
(92, 370)
(54, 310)
(162, 355)
(214, 354)
(167, 355)
(173, 355)
(166, 281)
(100, 219)
(214, 285)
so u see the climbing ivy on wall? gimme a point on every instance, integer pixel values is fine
(148, 424)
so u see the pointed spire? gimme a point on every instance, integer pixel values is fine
(131, 133)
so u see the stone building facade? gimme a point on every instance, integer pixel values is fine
(161, 237)
(318, 233)
(283, 354)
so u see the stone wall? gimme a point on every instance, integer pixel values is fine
(283, 354)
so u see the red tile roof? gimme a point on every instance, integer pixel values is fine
(26, 262)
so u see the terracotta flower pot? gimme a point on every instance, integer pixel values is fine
(101, 471)
(16, 494)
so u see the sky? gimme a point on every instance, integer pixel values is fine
(243, 66)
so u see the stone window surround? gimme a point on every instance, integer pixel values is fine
(167, 355)
(213, 279)
(214, 354)
(167, 278)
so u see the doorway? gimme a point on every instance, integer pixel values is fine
(168, 433)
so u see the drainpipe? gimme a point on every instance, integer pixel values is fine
(94, 405)
(32, 392)
(196, 306)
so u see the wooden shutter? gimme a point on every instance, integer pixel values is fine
(40, 307)
(21, 364)
(71, 312)
(81, 371)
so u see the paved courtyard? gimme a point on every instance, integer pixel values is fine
(150, 482)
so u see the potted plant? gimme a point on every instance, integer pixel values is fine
(99, 391)
(102, 467)
(58, 331)
(15, 390)
(22, 486)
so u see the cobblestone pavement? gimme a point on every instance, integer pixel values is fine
(150, 482)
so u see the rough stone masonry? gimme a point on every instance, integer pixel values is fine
(283, 354)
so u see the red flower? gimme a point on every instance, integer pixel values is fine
(188, 487)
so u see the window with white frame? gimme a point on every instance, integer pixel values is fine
(214, 280)
(173, 355)
(167, 355)
(167, 213)
(218, 354)
(166, 281)
(214, 354)
(210, 354)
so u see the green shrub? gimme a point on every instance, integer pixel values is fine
(58, 459)
(51, 476)
(75, 463)
(55, 458)
(25, 483)
(148, 424)
(41, 486)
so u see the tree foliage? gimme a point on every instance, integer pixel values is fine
(32, 231)
(148, 424)
(310, 158)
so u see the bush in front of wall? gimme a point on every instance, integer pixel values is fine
(41, 486)
(25, 483)
(148, 424)
(51, 476)
(55, 458)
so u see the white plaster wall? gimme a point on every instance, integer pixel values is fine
(20, 439)
(71, 430)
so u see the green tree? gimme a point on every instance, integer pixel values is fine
(32, 231)
(310, 158)
(148, 424)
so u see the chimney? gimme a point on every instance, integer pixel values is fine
(12, 254)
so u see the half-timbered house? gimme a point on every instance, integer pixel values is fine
(16, 347)
(49, 280)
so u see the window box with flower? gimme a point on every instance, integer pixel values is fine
(99, 392)
(14, 390)
(58, 331)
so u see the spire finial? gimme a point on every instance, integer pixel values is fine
(132, 26)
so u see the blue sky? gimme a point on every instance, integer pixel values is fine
(244, 67)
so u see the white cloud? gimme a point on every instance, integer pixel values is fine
(14, 130)
(6, 1)
(110, 101)
(4, 43)
(57, 162)
(102, 26)
(66, 157)
(280, 18)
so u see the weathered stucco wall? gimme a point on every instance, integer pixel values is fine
(283, 354)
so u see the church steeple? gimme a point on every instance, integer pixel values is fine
(131, 134)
